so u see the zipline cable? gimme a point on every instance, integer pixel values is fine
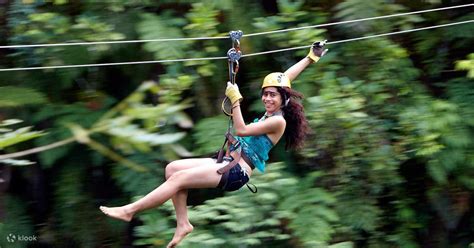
(111, 64)
(360, 20)
(223, 57)
(360, 38)
(115, 42)
(226, 37)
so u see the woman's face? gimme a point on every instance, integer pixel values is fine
(271, 99)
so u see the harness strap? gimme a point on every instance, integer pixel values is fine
(252, 190)
(235, 142)
(231, 140)
(220, 155)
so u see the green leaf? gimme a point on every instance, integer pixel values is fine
(15, 162)
(18, 136)
(9, 122)
(467, 65)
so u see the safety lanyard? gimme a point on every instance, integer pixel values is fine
(233, 56)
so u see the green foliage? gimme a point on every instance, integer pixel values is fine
(51, 27)
(17, 96)
(351, 145)
(310, 211)
(467, 65)
(291, 12)
(32, 24)
(129, 136)
(171, 86)
(209, 134)
(434, 63)
(202, 18)
(9, 137)
(456, 159)
(72, 206)
(55, 27)
(156, 229)
(358, 9)
(17, 222)
(61, 115)
(139, 183)
(155, 27)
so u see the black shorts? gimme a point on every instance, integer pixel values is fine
(233, 179)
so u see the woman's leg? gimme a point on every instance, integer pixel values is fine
(204, 176)
(180, 198)
(183, 226)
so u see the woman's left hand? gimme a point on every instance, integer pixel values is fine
(317, 50)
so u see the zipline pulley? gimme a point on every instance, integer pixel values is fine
(235, 36)
(234, 54)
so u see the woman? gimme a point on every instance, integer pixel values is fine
(284, 115)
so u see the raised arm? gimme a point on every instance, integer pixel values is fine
(297, 68)
(315, 53)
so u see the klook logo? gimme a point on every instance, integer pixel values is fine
(11, 238)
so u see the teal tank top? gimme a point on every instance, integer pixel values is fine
(256, 148)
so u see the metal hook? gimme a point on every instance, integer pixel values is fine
(234, 71)
(236, 46)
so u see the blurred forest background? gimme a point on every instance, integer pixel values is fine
(390, 161)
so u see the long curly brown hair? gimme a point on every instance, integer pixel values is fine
(297, 127)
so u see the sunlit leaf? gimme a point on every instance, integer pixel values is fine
(15, 162)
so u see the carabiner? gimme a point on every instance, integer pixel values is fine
(234, 71)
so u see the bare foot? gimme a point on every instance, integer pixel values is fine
(117, 213)
(179, 234)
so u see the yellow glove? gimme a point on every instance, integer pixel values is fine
(233, 93)
(317, 50)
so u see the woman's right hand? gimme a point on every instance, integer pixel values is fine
(233, 93)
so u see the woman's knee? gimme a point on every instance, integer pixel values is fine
(172, 168)
(179, 177)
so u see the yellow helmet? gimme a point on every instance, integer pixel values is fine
(277, 79)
